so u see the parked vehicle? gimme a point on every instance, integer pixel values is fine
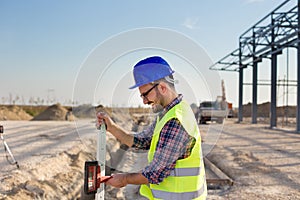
(216, 110)
(212, 111)
(230, 110)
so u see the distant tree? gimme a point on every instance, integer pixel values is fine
(4, 99)
(23, 100)
(16, 99)
(31, 101)
(10, 98)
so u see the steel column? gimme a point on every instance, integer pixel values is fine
(273, 119)
(241, 76)
(298, 75)
(254, 86)
(254, 93)
(241, 79)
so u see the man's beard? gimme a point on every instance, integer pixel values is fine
(157, 108)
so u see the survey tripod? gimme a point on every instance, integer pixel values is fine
(7, 151)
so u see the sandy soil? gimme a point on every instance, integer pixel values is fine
(51, 156)
(264, 163)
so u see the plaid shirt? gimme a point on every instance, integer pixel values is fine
(174, 143)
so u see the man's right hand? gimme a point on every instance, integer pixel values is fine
(102, 117)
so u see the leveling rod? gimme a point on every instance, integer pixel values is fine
(101, 157)
(94, 171)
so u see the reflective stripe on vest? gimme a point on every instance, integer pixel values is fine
(186, 171)
(174, 196)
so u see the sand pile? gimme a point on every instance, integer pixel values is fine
(89, 111)
(13, 113)
(55, 112)
(84, 111)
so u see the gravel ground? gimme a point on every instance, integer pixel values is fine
(263, 163)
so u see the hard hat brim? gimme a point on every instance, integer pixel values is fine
(144, 83)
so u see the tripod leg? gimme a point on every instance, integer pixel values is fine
(6, 149)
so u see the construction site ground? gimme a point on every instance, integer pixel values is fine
(263, 163)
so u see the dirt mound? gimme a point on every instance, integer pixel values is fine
(13, 113)
(84, 111)
(89, 111)
(263, 110)
(55, 112)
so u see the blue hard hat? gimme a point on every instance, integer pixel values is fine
(149, 70)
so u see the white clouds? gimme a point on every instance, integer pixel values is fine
(191, 23)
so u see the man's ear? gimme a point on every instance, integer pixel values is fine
(163, 87)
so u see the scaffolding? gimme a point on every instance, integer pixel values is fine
(266, 40)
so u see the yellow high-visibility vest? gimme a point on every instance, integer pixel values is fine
(187, 180)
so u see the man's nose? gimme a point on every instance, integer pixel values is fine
(145, 100)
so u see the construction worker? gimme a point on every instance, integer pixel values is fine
(175, 167)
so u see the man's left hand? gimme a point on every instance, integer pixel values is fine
(117, 180)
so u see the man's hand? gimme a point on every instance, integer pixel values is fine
(121, 180)
(102, 117)
(117, 180)
(114, 129)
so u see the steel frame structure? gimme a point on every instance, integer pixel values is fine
(266, 39)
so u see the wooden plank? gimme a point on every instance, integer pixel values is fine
(215, 176)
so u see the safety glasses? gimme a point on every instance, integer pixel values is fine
(145, 94)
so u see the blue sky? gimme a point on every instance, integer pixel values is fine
(44, 43)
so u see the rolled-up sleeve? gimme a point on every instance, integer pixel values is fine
(171, 146)
(142, 140)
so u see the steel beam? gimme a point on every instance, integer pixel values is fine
(281, 33)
